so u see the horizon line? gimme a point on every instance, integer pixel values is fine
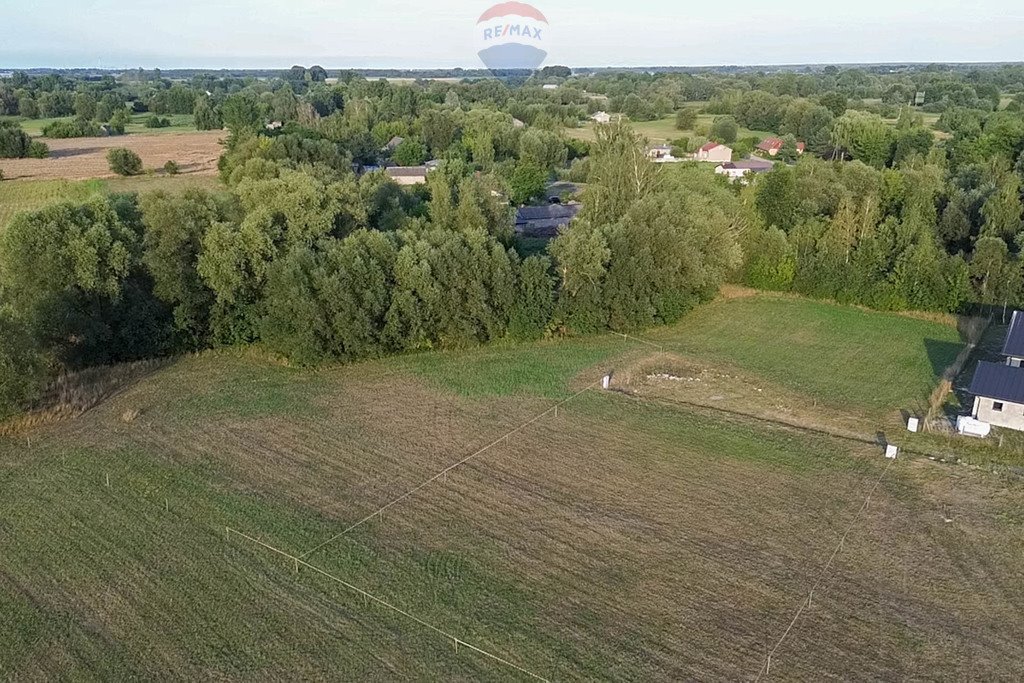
(484, 68)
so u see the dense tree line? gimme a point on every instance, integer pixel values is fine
(319, 264)
(303, 255)
(934, 233)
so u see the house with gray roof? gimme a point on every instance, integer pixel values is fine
(998, 388)
(544, 221)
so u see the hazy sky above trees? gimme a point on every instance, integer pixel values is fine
(402, 33)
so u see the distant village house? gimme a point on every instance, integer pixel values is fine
(772, 146)
(738, 170)
(714, 152)
(662, 154)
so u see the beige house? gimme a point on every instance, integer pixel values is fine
(602, 117)
(714, 152)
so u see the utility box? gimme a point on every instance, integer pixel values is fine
(913, 424)
(891, 451)
(967, 425)
(606, 381)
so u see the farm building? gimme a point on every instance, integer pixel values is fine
(714, 152)
(602, 117)
(544, 221)
(998, 388)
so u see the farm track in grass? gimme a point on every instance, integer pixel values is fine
(619, 540)
(195, 152)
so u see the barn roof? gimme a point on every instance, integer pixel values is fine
(1014, 345)
(998, 381)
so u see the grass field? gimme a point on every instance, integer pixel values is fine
(619, 538)
(664, 130)
(179, 123)
(841, 356)
(28, 195)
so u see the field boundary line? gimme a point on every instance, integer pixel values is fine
(448, 469)
(384, 603)
(660, 347)
(766, 666)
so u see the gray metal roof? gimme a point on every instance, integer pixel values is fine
(1014, 345)
(998, 381)
(565, 212)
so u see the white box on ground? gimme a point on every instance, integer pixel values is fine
(891, 451)
(913, 424)
(606, 381)
(965, 424)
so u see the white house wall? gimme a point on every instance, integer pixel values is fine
(1010, 417)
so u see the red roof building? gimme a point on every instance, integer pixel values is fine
(772, 146)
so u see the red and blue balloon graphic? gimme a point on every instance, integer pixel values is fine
(512, 35)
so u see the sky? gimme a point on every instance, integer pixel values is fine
(440, 33)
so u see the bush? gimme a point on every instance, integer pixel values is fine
(171, 168)
(38, 150)
(79, 128)
(124, 161)
(157, 122)
(14, 142)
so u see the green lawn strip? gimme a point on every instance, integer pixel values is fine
(841, 355)
(543, 369)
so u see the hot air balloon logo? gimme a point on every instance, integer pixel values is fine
(512, 35)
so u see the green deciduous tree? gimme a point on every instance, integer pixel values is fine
(175, 226)
(410, 152)
(725, 129)
(776, 198)
(71, 273)
(686, 119)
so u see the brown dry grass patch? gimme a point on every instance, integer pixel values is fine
(196, 153)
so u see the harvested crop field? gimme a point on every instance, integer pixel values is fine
(617, 538)
(82, 158)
